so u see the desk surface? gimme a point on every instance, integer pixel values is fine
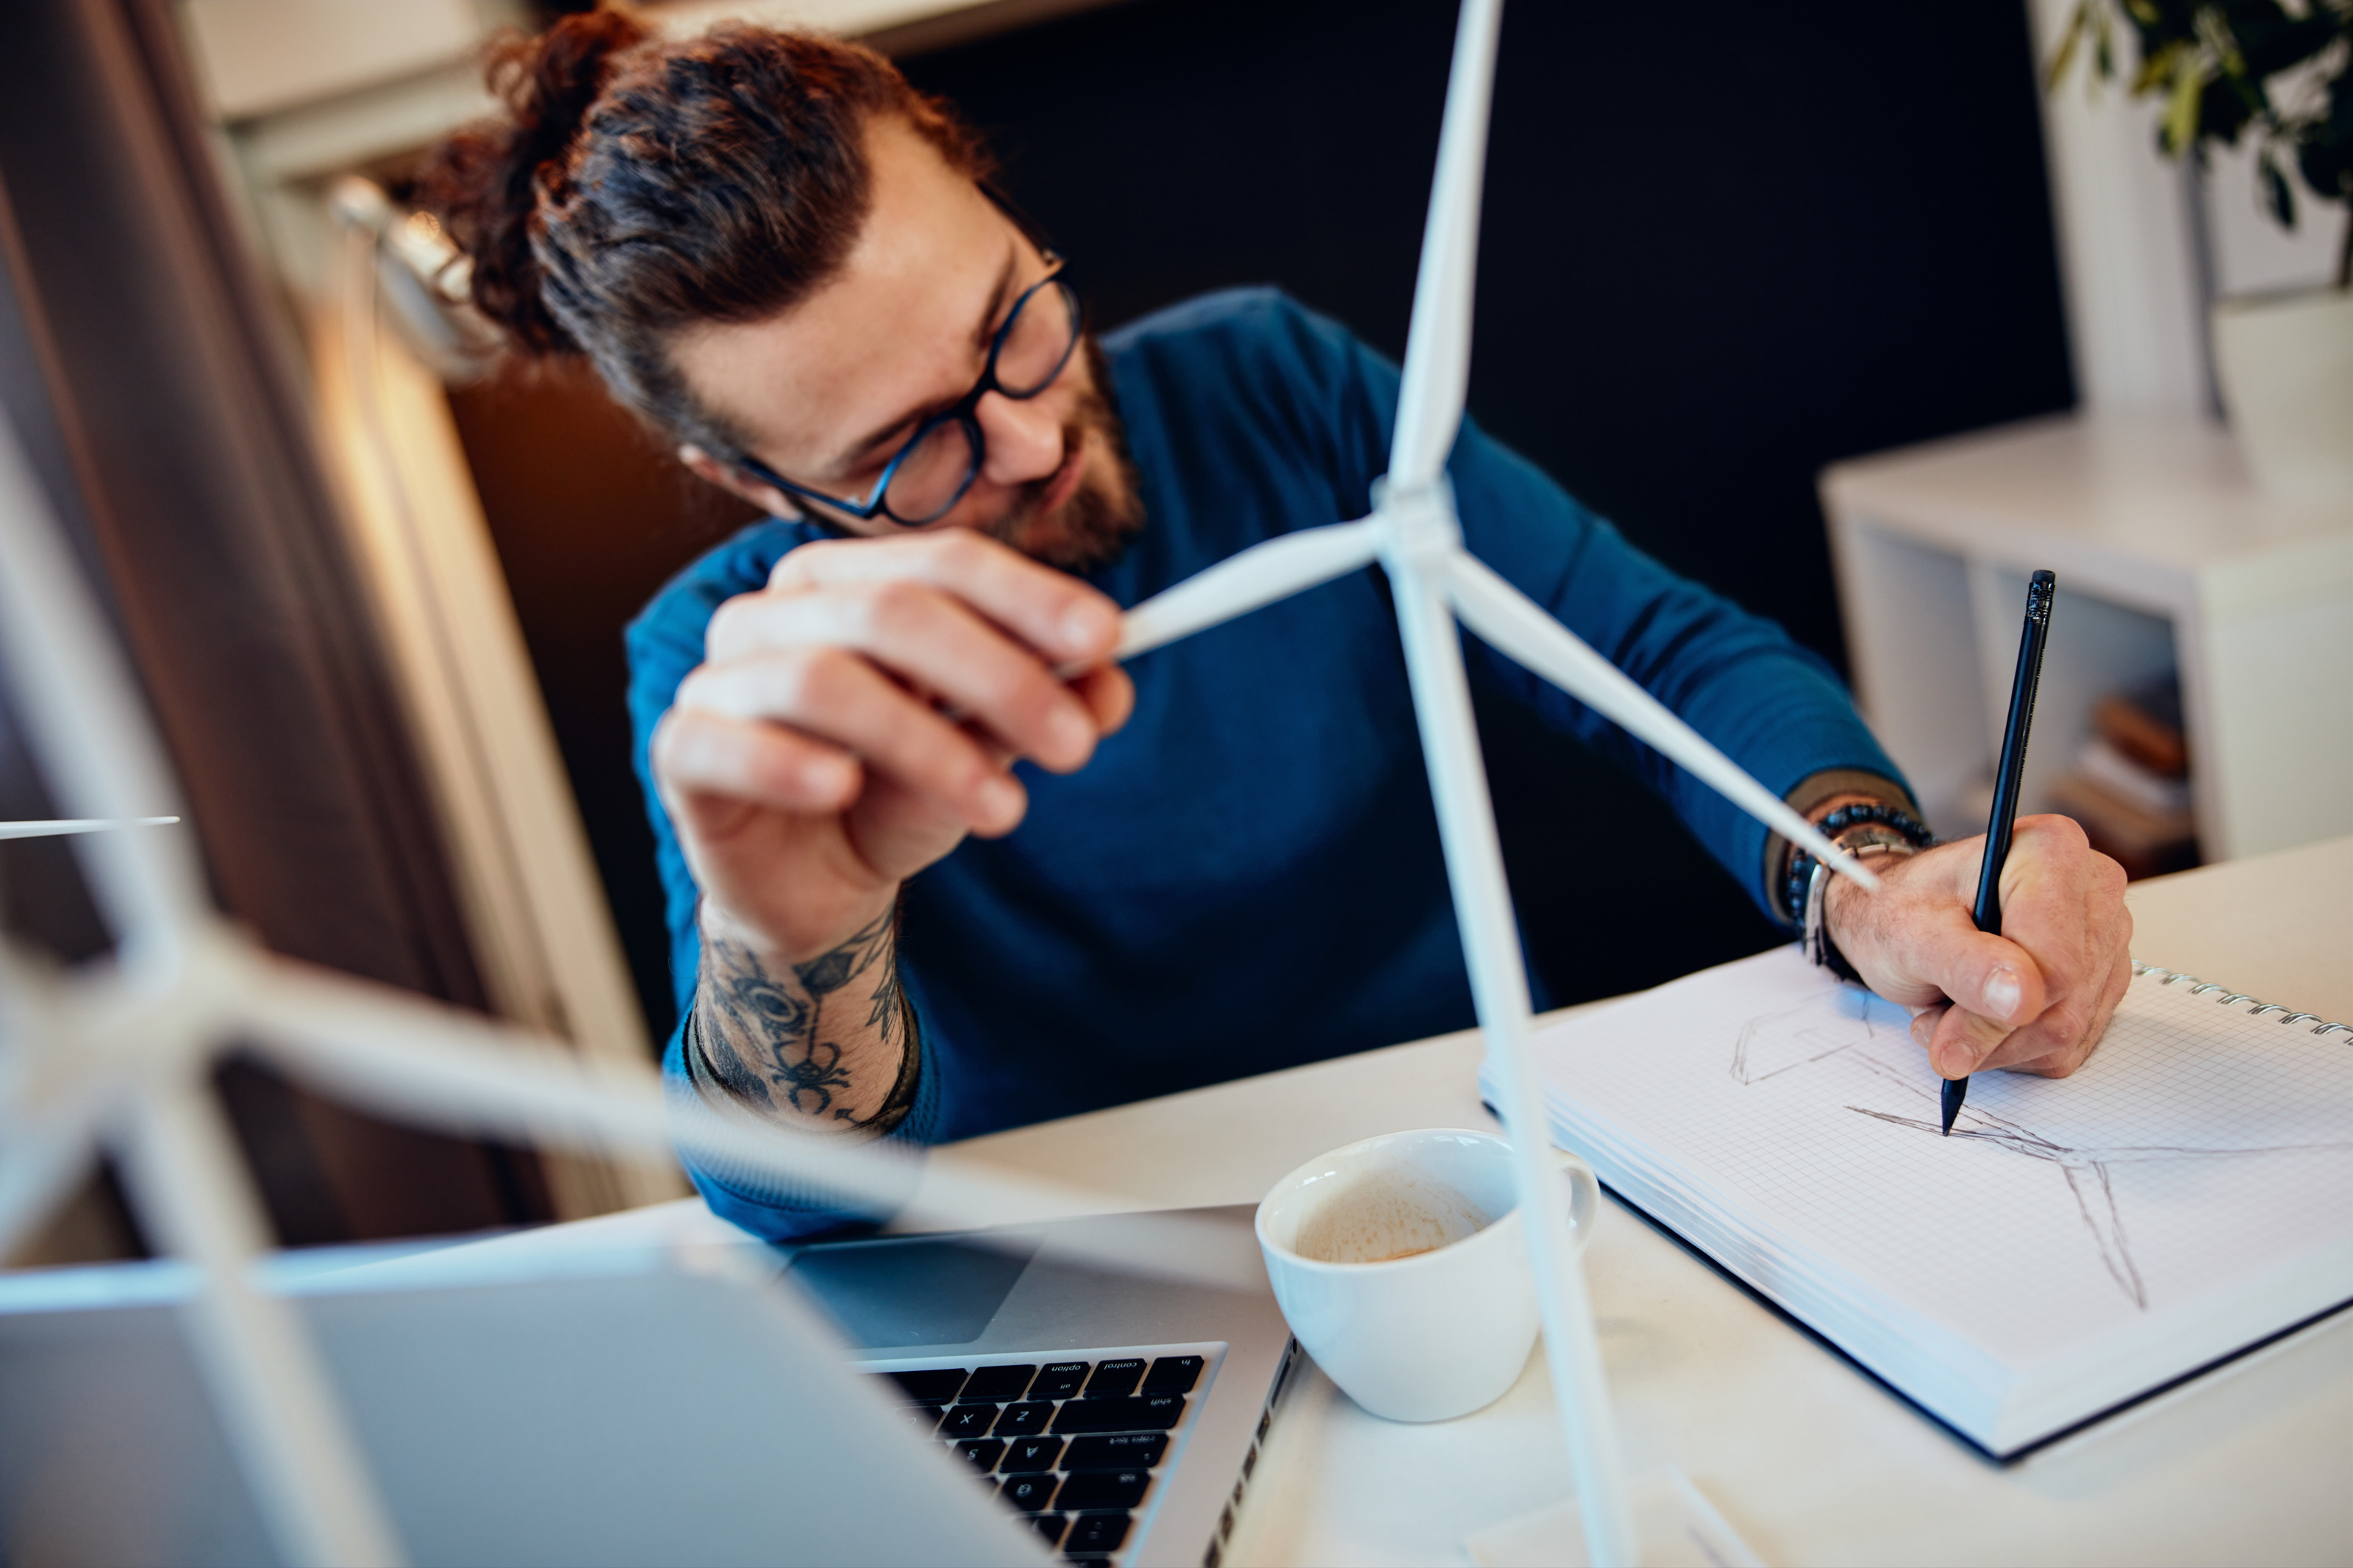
(1806, 1456)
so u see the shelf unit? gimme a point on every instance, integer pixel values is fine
(2168, 558)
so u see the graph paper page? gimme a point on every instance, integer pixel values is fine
(2197, 1149)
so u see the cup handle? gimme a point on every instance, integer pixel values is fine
(1584, 1199)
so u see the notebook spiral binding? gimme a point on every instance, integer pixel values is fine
(2200, 987)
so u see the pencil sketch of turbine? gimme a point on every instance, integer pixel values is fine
(1414, 535)
(117, 1056)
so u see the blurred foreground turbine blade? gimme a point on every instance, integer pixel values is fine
(1272, 569)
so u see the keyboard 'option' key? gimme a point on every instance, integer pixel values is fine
(1141, 1413)
(968, 1421)
(1000, 1382)
(1059, 1380)
(1098, 1532)
(1032, 1453)
(1115, 1378)
(1169, 1374)
(931, 1385)
(1105, 1490)
(1120, 1451)
(1029, 1493)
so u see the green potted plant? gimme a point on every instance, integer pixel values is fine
(2278, 73)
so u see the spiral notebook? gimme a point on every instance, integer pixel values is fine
(2076, 1244)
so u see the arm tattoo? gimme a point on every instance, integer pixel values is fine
(782, 1019)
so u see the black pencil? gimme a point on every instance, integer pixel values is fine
(2040, 591)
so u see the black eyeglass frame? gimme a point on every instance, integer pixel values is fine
(877, 503)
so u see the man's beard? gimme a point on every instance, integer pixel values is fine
(1091, 527)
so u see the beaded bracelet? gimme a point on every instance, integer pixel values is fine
(1801, 862)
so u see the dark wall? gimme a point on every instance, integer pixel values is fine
(1724, 246)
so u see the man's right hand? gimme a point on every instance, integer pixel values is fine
(808, 764)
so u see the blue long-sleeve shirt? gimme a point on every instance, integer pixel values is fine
(1247, 875)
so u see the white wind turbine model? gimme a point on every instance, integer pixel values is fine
(117, 1056)
(1414, 535)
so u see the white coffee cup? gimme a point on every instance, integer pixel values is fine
(1443, 1330)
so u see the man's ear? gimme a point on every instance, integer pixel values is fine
(735, 482)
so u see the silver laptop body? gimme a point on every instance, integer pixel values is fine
(641, 1405)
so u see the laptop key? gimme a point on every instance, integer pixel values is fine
(1114, 1379)
(969, 1420)
(1030, 1453)
(1098, 1532)
(1105, 1489)
(1026, 1419)
(1059, 1380)
(1142, 1413)
(931, 1385)
(1051, 1526)
(1000, 1382)
(1120, 1451)
(925, 1417)
(1029, 1493)
(981, 1453)
(1169, 1374)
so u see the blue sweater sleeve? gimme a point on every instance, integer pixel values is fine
(665, 642)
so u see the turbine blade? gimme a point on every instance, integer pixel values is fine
(1437, 344)
(77, 824)
(1275, 569)
(1518, 627)
(399, 1053)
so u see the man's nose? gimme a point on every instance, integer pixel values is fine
(1024, 436)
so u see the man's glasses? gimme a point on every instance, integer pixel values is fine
(931, 472)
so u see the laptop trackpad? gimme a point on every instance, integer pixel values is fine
(916, 1291)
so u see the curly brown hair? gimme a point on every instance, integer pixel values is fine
(639, 186)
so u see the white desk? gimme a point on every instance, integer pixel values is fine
(1807, 1458)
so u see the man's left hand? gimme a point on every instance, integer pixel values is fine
(2034, 999)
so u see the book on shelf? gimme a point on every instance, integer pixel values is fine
(2076, 1244)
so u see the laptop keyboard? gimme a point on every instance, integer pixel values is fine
(1073, 1443)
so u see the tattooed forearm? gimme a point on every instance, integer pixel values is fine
(809, 1039)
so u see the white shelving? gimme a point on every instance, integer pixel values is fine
(2167, 556)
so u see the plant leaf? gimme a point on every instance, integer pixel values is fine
(2278, 194)
(2182, 112)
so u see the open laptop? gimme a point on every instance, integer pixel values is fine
(918, 1399)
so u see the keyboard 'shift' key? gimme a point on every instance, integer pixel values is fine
(1104, 1488)
(1115, 1378)
(1120, 1451)
(1171, 1374)
(1141, 1413)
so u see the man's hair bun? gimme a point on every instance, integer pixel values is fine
(485, 181)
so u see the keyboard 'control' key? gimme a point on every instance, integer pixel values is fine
(980, 1453)
(968, 1421)
(931, 1385)
(1105, 1490)
(1116, 1378)
(1059, 1380)
(1029, 1493)
(1169, 1374)
(1025, 1420)
(1001, 1383)
(1098, 1532)
(1141, 1413)
(1120, 1451)
(1032, 1453)
(1051, 1526)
